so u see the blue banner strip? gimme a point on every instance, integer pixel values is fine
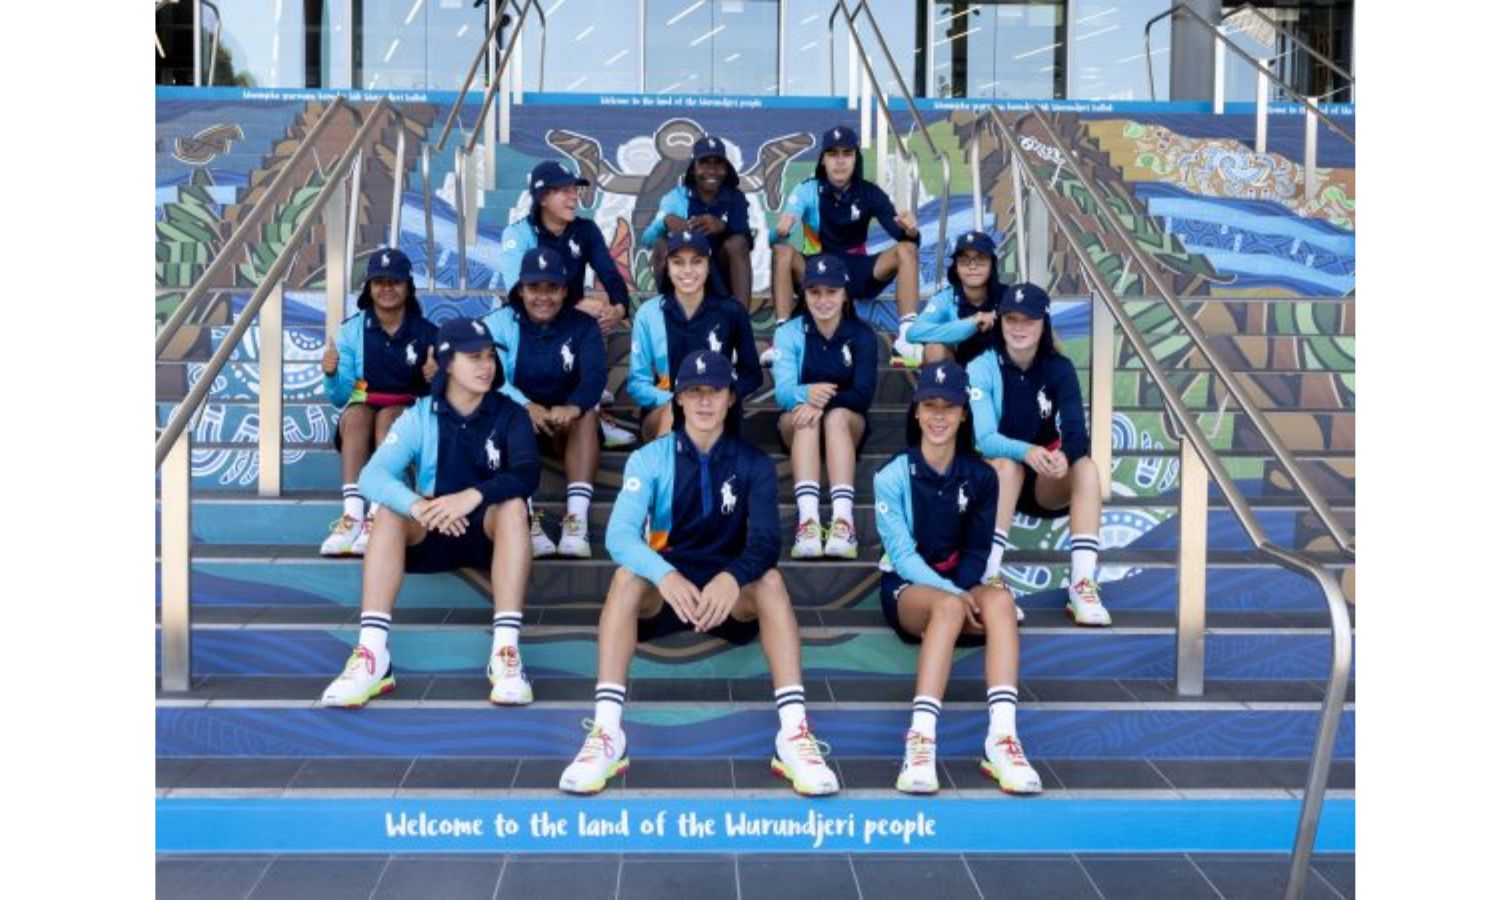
(605, 825)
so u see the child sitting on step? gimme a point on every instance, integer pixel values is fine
(709, 201)
(959, 320)
(379, 364)
(825, 383)
(934, 507)
(476, 464)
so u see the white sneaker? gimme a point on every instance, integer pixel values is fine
(768, 356)
(606, 397)
(809, 540)
(341, 537)
(510, 686)
(799, 759)
(541, 545)
(613, 433)
(842, 544)
(919, 767)
(1084, 607)
(601, 758)
(905, 354)
(575, 538)
(999, 581)
(363, 539)
(1005, 761)
(359, 683)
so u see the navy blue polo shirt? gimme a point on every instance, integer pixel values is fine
(728, 206)
(844, 215)
(1035, 399)
(949, 512)
(721, 325)
(723, 511)
(393, 362)
(848, 359)
(582, 244)
(561, 362)
(492, 449)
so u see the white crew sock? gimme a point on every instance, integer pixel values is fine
(999, 543)
(906, 321)
(924, 715)
(1002, 699)
(354, 503)
(791, 707)
(843, 501)
(609, 706)
(1085, 552)
(374, 628)
(580, 494)
(507, 631)
(808, 494)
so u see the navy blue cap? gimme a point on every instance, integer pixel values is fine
(704, 368)
(973, 240)
(542, 266)
(462, 336)
(551, 174)
(676, 240)
(944, 380)
(840, 136)
(826, 269)
(388, 262)
(1026, 299)
(709, 146)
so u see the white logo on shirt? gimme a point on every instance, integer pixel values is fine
(714, 343)
(567, 355)
(573, 246)
(963, 500)
(510, 243)
(853, 211)
(392, 439)
(848, 357)
(727, 499)
(632, 484)
(491, 452)
(882, 508)
(411, 353)
(1043, 405)
(976, 394)
(700, 365)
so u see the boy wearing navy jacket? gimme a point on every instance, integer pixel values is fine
(476, 463)
(552, 356)
(695, 533)
(554, 223)
(835, 207)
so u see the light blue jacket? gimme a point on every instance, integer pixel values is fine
(987, 404)
(350, 343)
(645, 496)
(940, 322)
(893, 518)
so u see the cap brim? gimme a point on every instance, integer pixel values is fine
(687, 384)
(947, 394)
(547, 278)
(1003, 311)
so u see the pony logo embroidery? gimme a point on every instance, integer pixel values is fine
(1043, 405)
(714, 343)
(444, 347)
(573, 246)
(848, 357)
(687, 235)
(541, 262)
(567, 355)
(478, 328)
(491, 452)
(538, 183)
(822, 267)
(837, 135)
(700, 365)
(727, 499)
(385, 259)
(963, 499)
(411, 353)
(853, 211)
(969, 238)
(941, 375)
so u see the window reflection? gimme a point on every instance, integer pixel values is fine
(998, 50)
(807, 46)
(1108, 56)
(711, 46)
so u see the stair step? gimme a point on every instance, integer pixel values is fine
(826, 652)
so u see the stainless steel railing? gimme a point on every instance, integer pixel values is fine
(1253, 10)
(173, 445)
(1198, 461)
(903, 150)
(521, 8)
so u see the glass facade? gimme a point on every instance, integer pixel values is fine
(1019, 49)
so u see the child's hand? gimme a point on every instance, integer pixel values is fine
(331, 360)
(429, 368)
(784, 225)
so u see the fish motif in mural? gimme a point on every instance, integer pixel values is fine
(674, 146)
(205, 146)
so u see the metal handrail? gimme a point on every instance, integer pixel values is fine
(1195, 333)
(1195, 16)
(1292, 36)
(213, 53)
(195, 398)
(864, 58)
(1333, 700)
(229, 252)
(515, 39)
(484, 47)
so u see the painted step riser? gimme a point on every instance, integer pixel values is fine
(305, 524)
(459, 651)
(811, 585)
(503, 733)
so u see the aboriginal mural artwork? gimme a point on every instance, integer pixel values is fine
(1223, 224)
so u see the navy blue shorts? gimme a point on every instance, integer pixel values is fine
(441, 553)
(863, 285)
(891, 586)
(666, 622)
(1027, 503)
